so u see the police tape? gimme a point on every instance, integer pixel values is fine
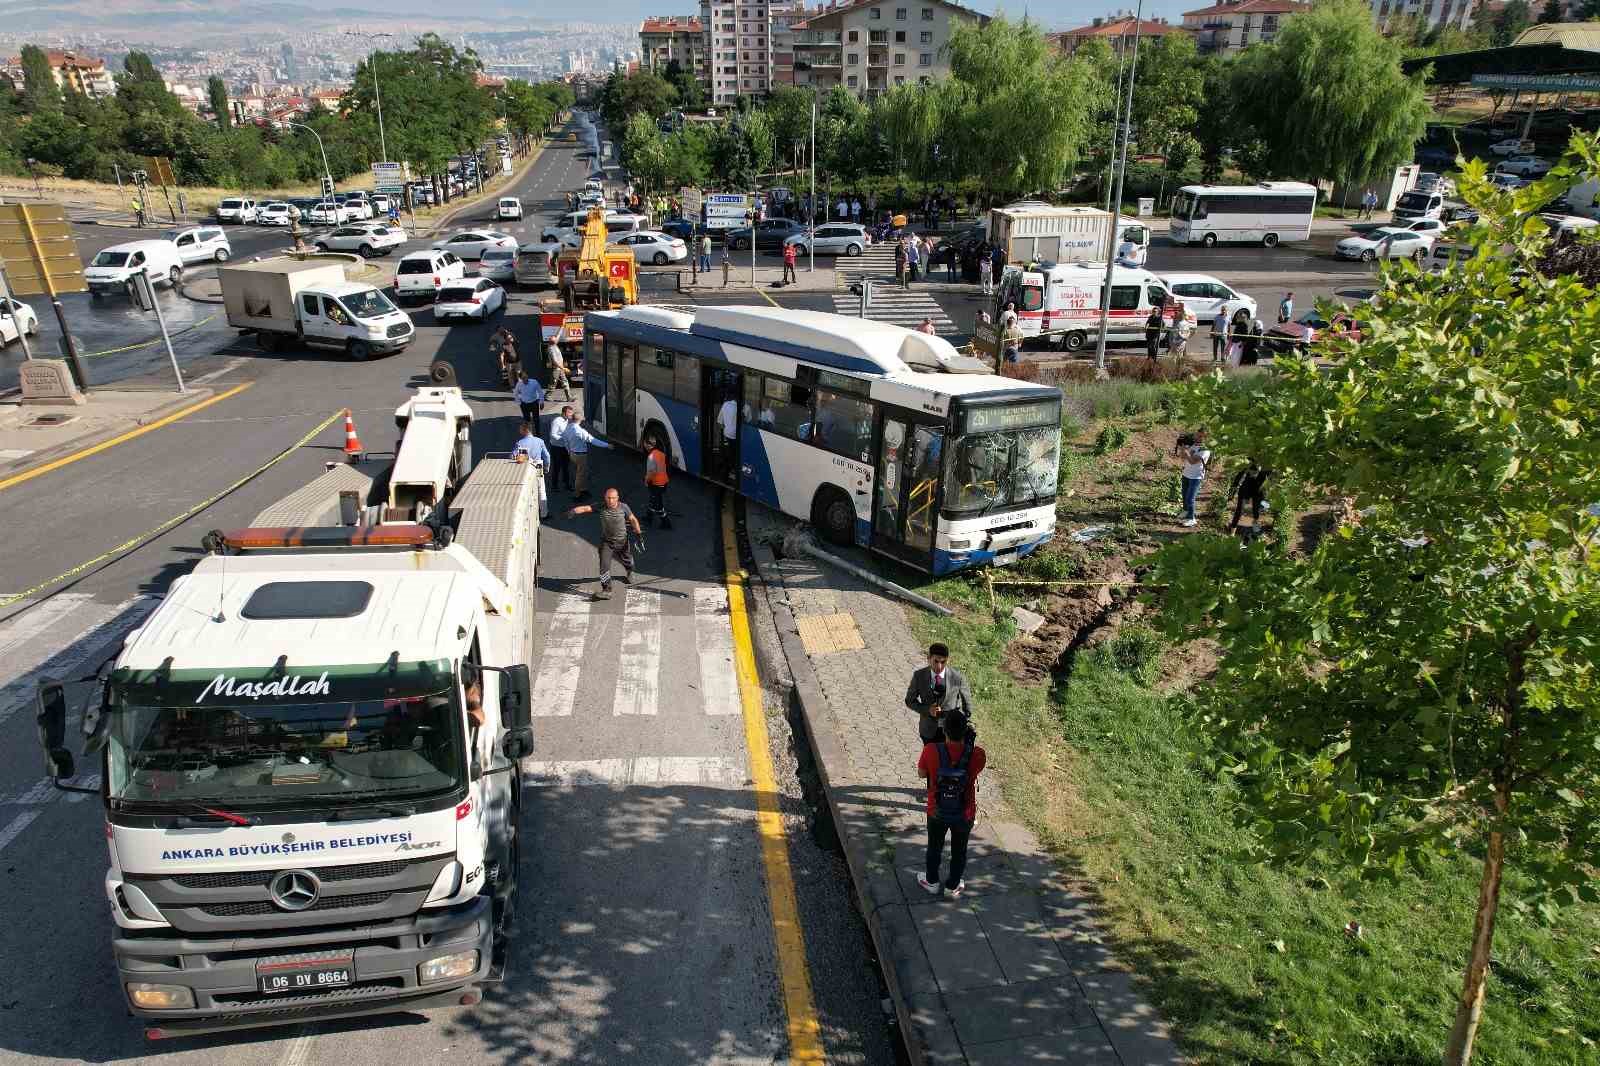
(109, 556)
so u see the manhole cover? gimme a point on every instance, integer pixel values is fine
(48, 421)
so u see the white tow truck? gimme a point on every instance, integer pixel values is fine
(287, 301)
(310, 751)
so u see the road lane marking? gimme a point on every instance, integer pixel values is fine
(805, 1038)
(555, 688)
(713, 644)
(63, 660)
(137, 431)
(176, 520)
(644, 770)
(639, 665)
(15, 827)
(298, 1053)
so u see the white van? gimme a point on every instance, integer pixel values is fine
(236, 209)
(112, 269)
(1062, 302)
(568, 229)
(201, 244)
(1419, 204)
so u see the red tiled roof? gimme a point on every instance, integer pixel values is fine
(671, 24)
(1121, 27)
(58, 60)
(1253, 7)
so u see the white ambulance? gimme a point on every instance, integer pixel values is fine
(1060, 303)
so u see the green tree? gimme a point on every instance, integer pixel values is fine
(688, 156)
(1027, 115)
(842, 135)
(39, 89)
(1216, 127)
(1502, 27)
(527, 109)
(691, 93)
(1422, 684)
(559, 93)
(644, 152)
(1551, 12)
(625, 95)
(1328, 98)
(789, 110)
(911, 120)
(217, 94)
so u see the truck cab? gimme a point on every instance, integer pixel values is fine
(353, 317)
(310, 756)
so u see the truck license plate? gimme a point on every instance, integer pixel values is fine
(1005, 558)
(306, 975)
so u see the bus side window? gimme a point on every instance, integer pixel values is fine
(785, 408)
(752, 398)
(655, 370)
(844, 424)
(1199, 209)
(686, 379)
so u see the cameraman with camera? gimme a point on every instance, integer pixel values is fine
(936, 689)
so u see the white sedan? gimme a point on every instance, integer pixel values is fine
(470, 244)
(275, 213)
(653, 246)
(367, 240)
(328, 213)
(16, 318)
(469, 298)
(1525, 166)
(1386, 243)
(1511, 147)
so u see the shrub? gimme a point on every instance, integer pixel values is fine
(1109, 439)
(1135, 650)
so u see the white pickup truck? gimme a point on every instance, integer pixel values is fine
(308, 303)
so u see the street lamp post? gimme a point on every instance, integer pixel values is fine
(377, 94)
(811, 245)
(1116, 205)
(327, 171)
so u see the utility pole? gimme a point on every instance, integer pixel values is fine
(1116, 207)
(377, 94)
(327, 172)
(811, 245)
(1116, 127)
(122, 197)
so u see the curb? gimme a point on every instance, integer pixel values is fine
(926, 1035)
(196, 394)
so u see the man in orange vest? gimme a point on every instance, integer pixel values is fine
(655, 479)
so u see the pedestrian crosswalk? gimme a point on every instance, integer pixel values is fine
(903, 307)
(659, 651)
(877, 262)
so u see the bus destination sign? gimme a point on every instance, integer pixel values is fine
(1013, 416)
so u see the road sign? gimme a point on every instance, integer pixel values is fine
(39, 253)
(390, 177)
(160, 169)
(689, 197)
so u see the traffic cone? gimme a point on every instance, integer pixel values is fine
(353, 451)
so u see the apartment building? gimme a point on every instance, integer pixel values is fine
(672, 38)
(73, 72)
(738, 48)
(1117, 31)
(1233, 25)
(1455, 14)
(784, 17)
(870, 46)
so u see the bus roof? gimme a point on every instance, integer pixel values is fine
(1261, 188)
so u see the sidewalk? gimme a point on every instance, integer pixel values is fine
(1018, 970)
(31, 435)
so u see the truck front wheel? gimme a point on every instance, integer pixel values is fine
(1073, 341)
(360, 351)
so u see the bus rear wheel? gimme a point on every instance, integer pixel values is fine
(1209, 240)
(833, 516)
(1269, 241)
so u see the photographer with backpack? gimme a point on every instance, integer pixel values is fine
(951, 766)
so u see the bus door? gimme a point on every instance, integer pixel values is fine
(906, 501)
(613, 382)
(719, 456)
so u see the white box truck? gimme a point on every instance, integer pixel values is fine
(287, 301)
(310, 753)
(1039, 232)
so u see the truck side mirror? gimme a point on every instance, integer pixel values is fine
(516, 698)
(51, 720)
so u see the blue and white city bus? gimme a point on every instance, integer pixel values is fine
(940, 471)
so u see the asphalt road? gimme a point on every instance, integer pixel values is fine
(644, 928)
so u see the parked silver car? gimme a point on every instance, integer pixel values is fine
(834, 238)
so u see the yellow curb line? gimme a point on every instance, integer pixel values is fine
(139, 431)
(805, 1038)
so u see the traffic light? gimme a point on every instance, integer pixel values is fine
(327, 186)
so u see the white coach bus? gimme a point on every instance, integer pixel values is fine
(941, 471)
(1267, 213)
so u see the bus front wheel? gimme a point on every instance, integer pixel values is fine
(1209, 240)
(1269, 241)
(833, 516)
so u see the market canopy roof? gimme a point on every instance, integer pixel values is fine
(1555, 57)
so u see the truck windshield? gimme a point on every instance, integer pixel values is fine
(986, 471)
(369, 304)
(266, 754)
(111, 259)
(1415, 201)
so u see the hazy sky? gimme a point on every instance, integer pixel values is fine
(1055, 14)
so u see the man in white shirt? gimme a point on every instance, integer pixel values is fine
(1128, 253)
(558, 370)
(728, 422)
(577, 439)
(531, 448)
(1219, 335)
(560, 462)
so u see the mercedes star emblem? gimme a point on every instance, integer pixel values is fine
(295, 890)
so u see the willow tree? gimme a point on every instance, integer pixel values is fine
(1328, 98)
(1422, 685)
(1025, 115)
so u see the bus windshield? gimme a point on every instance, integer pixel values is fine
(243, 753)
(986, 471)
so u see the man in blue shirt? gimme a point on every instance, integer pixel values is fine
(577, 439)
(531, 448)
(529, 395)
